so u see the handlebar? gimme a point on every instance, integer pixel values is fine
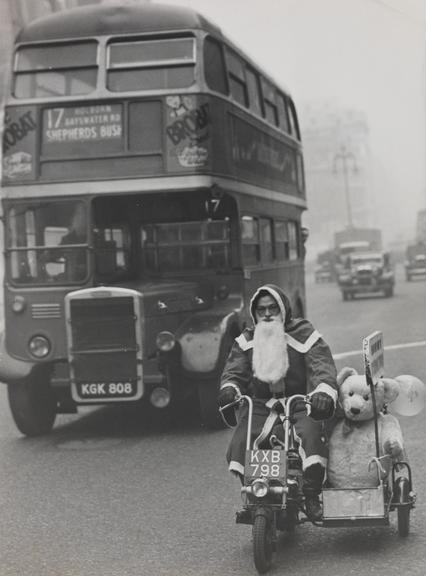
(240, 398)
(237, 400)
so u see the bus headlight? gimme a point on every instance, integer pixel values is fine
(260, 488)
(39, 346)
(165, 341)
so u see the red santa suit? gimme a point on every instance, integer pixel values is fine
(310, 368)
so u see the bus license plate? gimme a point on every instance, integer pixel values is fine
(265, 464)
(106, 390)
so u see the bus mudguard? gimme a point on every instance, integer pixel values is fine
(11, 369)
(204, 338)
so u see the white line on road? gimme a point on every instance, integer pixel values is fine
(392, 347)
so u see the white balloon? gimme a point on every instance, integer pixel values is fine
(412, 396)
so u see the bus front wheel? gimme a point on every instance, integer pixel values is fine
(33, 405)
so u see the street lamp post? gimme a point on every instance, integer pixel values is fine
(344, 156)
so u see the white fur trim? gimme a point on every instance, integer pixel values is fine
(327, 389)
(300, 449)
(310, 460)
(272, 401)
(314, 459)
(306, 346)
(232, 385)
(266, 430)
(236, 467)
(243, 343)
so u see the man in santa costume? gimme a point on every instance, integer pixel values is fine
(278, 357)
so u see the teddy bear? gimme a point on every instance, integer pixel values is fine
(352, 442)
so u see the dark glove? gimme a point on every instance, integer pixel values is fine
(226, 395)
(322, 406)
(278, 407)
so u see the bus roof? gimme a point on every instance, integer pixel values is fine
(99, 20)
(115, 19)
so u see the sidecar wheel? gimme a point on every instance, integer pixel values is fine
(262, 543)
(403, 520)
(402, 497)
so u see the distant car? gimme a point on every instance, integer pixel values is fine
(324, 273)
(366, 273)
(415, 266)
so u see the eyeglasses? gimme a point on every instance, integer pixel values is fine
(273, 309)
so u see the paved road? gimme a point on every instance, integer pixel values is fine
(114, 492)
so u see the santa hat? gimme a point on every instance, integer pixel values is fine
(280, 298)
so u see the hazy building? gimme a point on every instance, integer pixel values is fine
(338, 169)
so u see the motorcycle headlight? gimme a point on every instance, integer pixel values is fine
(39, 346)
(260, 488)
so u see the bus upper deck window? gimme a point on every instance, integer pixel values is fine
(151, 64)
(55, 70)
(269, 103)
(282, 113)
(292, 115)
(214, 66)
(237, 78)
(253, 87)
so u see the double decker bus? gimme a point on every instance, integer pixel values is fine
(152, 180)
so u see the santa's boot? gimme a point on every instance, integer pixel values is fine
(313, 478)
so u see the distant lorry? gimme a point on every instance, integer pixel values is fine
(352, 240)
(415, 262)
(421, 226)
(415, 254)
(325, 266)
(372, 236)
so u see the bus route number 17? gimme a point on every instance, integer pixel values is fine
(54, 117)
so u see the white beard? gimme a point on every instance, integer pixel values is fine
(270, 356)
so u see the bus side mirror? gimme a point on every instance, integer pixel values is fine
(305, 233)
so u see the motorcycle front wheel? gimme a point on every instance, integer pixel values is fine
(262, 543)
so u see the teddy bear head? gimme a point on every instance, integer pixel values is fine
(355, 394)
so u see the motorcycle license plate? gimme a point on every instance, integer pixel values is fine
(265, 464)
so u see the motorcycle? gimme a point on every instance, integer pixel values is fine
(272, 490)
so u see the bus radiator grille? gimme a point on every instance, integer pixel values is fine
(103, 339)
